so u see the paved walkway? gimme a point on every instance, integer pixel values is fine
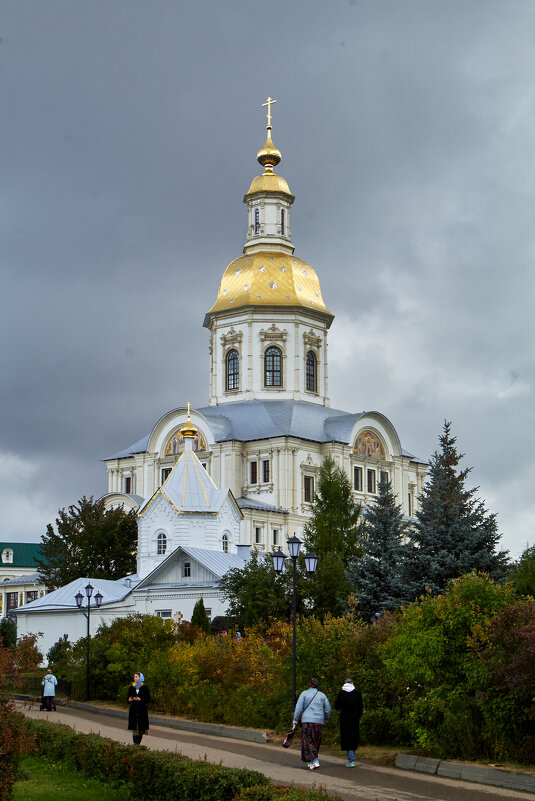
(367, 782)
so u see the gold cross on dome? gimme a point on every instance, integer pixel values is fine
(268, 103)
(189, 404)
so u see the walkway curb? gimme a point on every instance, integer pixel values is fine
(214, 729)
(496, 777)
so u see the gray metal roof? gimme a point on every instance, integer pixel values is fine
(248, 421)
(217, 562)
(31, 578)
(249, 503)
(189, 488)
(63, 597)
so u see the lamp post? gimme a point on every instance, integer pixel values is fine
(98, 600)
(311, 561)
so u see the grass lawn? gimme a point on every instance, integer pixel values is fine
(43, 781)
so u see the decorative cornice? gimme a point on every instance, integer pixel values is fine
(273, 334)
(233, 337)
(312, 340)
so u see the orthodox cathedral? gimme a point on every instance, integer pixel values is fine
(209, 484)
(269, 423)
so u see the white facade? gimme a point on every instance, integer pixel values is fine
(268, 424)
(242, 470)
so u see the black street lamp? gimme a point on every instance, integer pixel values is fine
(98, 600)
(311, 562)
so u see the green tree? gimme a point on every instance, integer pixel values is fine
(200, 618)
(377, 578)
(8, 633)
(333, 534)
(522, 573)
(255, 592)
(334, 524)
(89, 540)
(453, 534)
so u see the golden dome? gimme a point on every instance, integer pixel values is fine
(188, 429)
(269, 182)
(269, 278)
(269, 156)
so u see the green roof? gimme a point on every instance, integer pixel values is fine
(25, 554)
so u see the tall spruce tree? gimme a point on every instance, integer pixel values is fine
(453, 534)
(335, 522)
(333, 534)
(377, 579)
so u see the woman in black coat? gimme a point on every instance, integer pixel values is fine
(349, 703)
(138, 716)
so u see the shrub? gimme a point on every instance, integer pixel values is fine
(14, 662)
(151, 774)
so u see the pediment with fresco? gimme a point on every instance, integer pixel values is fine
(368, 443)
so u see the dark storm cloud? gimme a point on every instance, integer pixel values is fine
(129, 138)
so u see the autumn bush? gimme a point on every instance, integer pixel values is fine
(451, 675)
(15, 662)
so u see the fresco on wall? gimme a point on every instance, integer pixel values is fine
(369, 444)
(175, 444)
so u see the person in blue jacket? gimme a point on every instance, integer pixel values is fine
(314, 710)
(49, 689)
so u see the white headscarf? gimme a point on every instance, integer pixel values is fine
(348, 686)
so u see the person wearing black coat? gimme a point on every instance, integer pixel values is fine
(138, 716)
(349, 704)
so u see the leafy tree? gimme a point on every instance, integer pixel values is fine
(255, 592)
(522, 573)
(377, 578)
(200, 618)
(8, 633)
(453, 534)
(89, 540)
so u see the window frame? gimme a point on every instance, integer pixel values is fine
(371, 474)
(161, 543)
(358, 485)
(311, 372)
(272, 354)
(308, 489)
(186, 570)
(232, 371)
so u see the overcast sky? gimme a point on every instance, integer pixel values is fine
(129, 133)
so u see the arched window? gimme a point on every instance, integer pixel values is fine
(282, 222)
(257, 221)
(273, 367)
(311, 372)
(233, 370)
(224, 540)
(161, 542)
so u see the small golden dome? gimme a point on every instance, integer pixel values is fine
(268, 156)
(188, 429)
(269, 278)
